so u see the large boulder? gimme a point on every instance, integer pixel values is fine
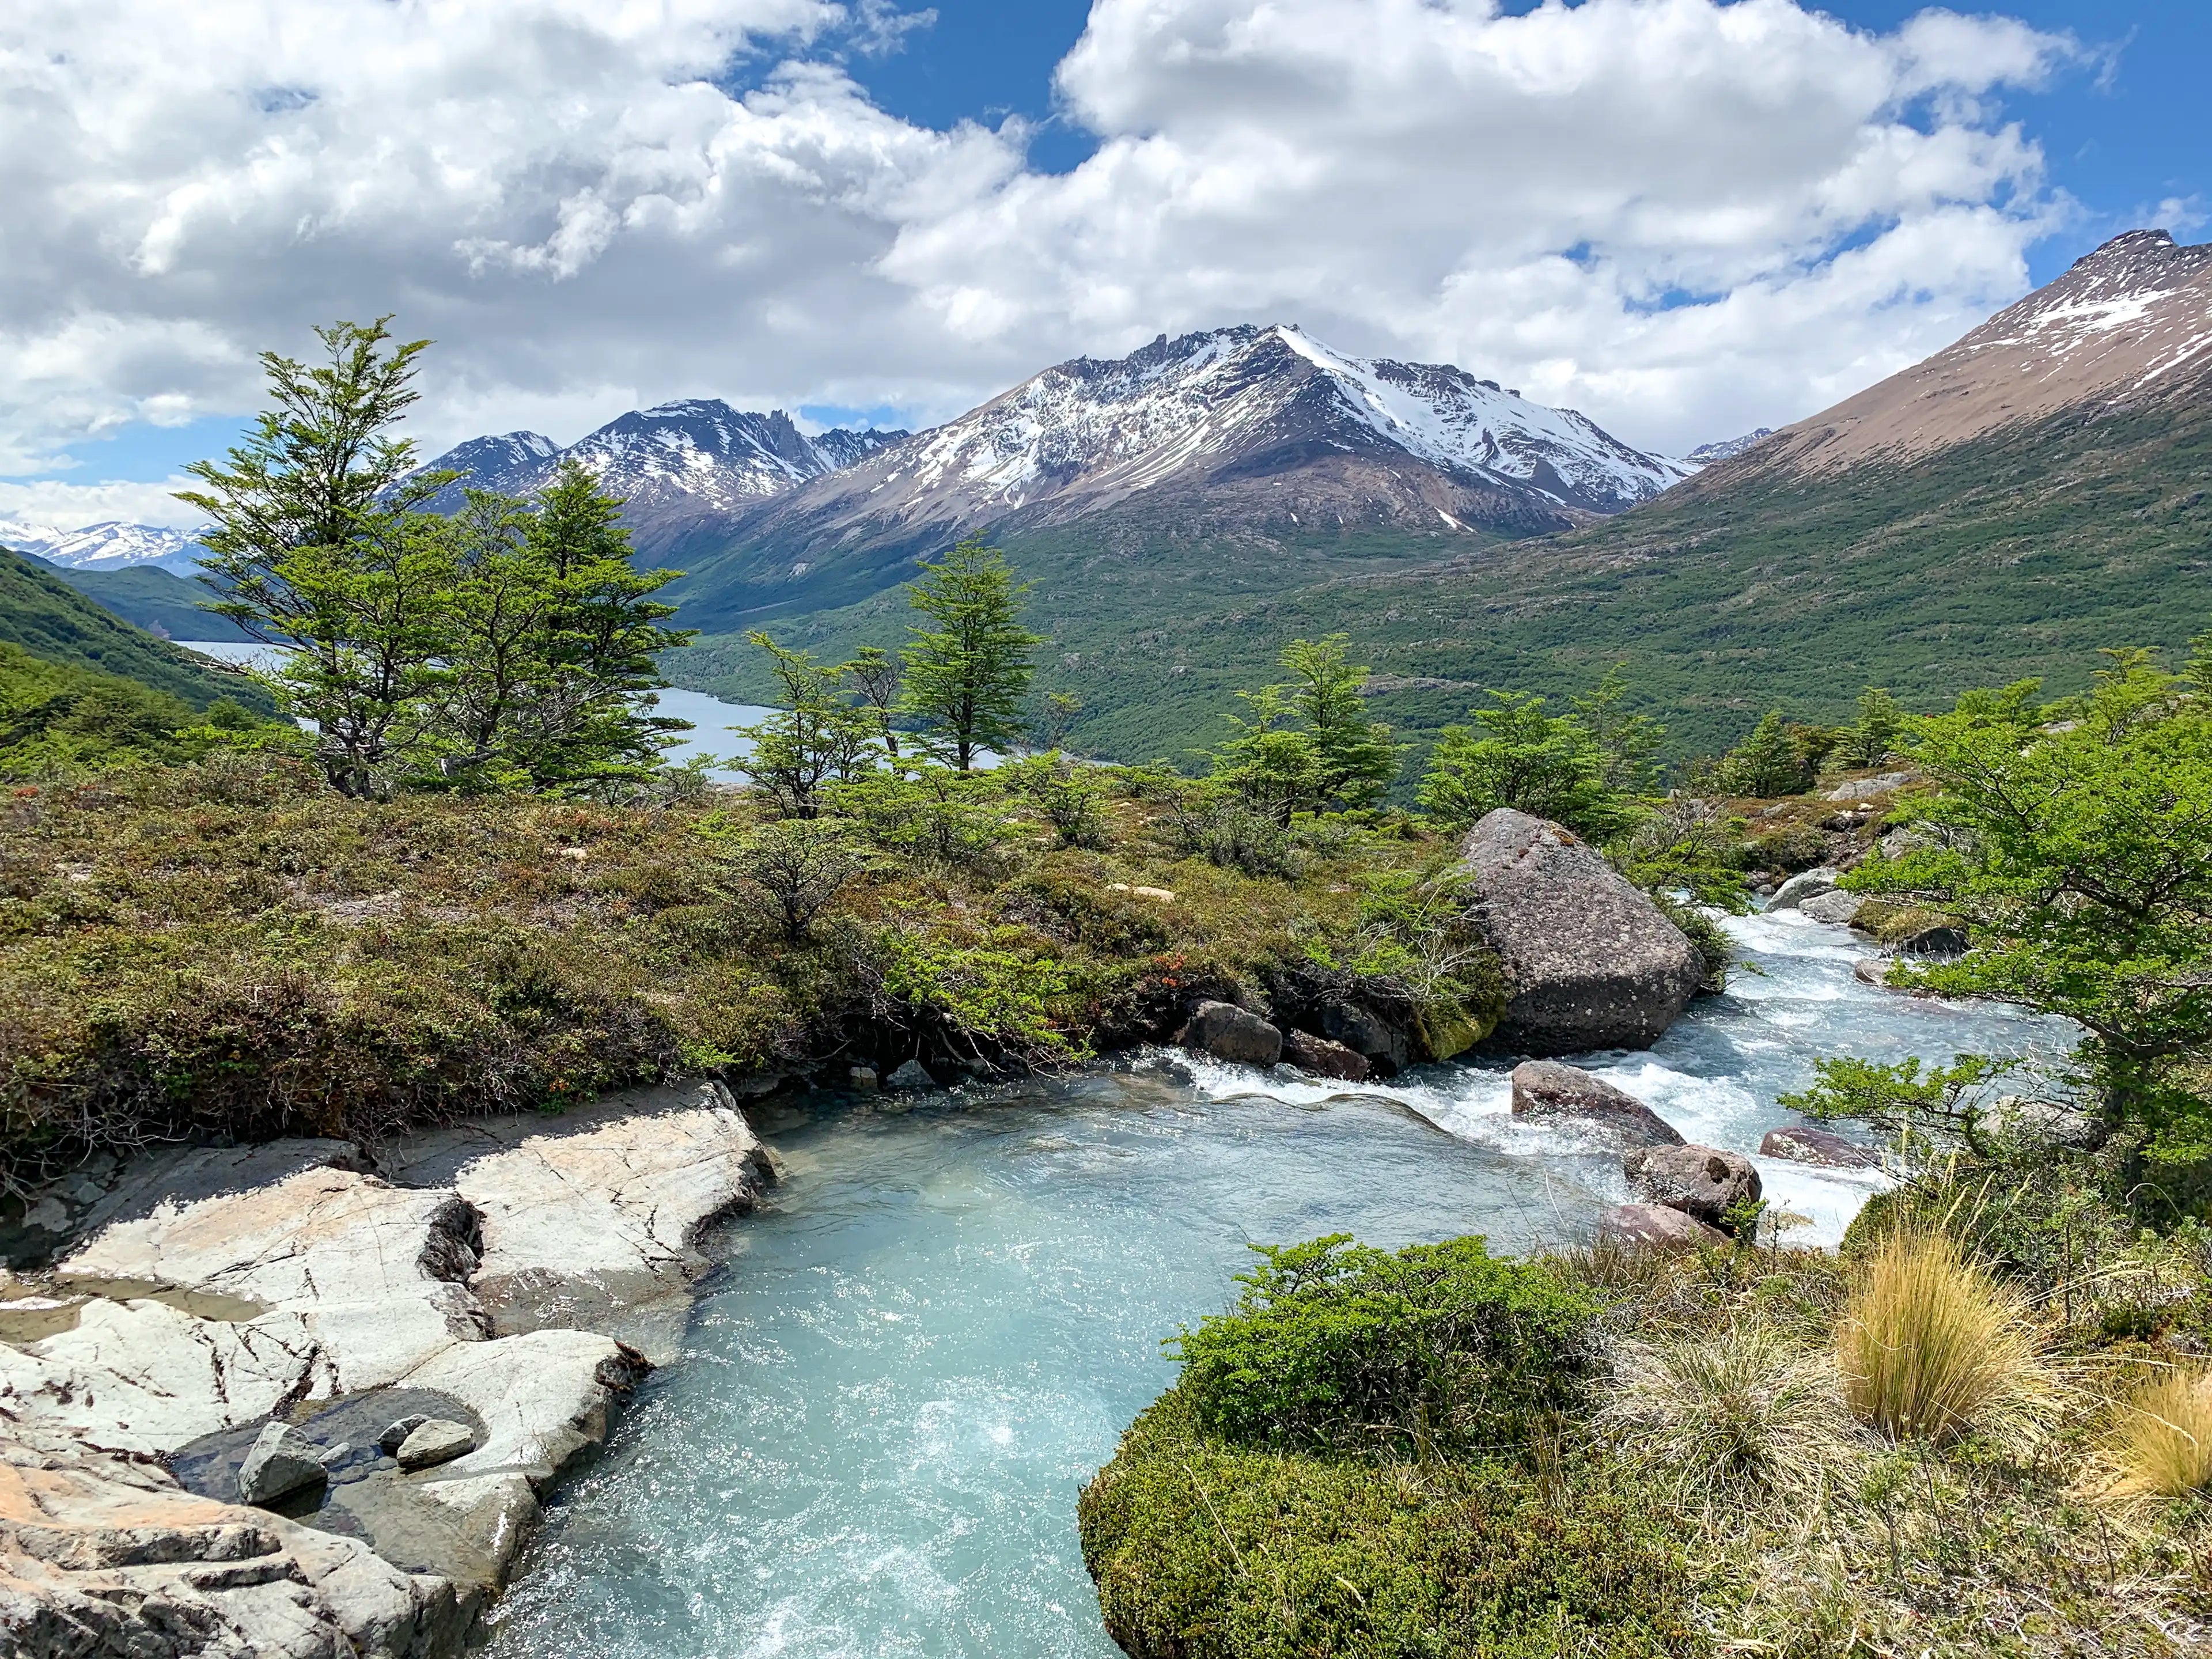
(1228, 1032)
(1807, 883)
(1654, 1226)
(1699, 1181)
(1802, 1144)
(1589, 961)
(1545, 1090)
(282, 1462)
(1835, 907)
(1322, 1058)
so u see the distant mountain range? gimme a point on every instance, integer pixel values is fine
(110, 545)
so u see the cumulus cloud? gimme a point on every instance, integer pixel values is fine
(1684, 217)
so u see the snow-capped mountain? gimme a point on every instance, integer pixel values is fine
(110, 545)
(2128, 324)
(682, 468)
(1727, 449)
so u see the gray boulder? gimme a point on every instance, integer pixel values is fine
(1838, 907)
(1803, 1145)
(1546, 1092)
(1699, 1181)
(1322, 1058)
(1228, 1032)
(1589, 961)
(281, 1461)
(436, 1441)
(1941, 941)
(910, 1074)
(1873, 970)
(1867, 788)
(2041, 1123)
(1807, 883)
(1654, 1226)
(395, 1435)
(1385, 1047)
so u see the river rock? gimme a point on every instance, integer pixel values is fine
(1228, 1032)
(910, 1074)
(1323, 1058)
(1941, 941)
(1873, 970)
(1835, 907)
(1546, 1090)
(2041, 1122)
(1385, 1044)
(395, 1434)
(434, 1441)
(1801, 1144)
(1807, 883)
(282, 1462)
(1699, 1181)
(1867, 788)
(1590, 962)
(1654, 1226)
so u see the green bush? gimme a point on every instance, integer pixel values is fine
(1205, 1550)
(1336, 1345)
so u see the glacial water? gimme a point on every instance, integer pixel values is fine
(904, 1365)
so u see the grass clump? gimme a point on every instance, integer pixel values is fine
(2161, 1444)
(1932, 1347)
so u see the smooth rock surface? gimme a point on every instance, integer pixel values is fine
(1228, 1032)
(282, 1462)
(1806, 884)
(433, 1442)
(1590, 962)
(1802, 1144)
(1323, 1058)
(1867, 788)
(1654, 1226)
(1699, 1181)
(1548, 1091)
(1836, 907)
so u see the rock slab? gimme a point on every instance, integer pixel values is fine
(1546, 1090)
(1228, 1032)
(282, 1462)
(1825, 1147)
(1807, 883)
(1702, 1182)
(1836, 908)
(1590, 962)
(434, 1441)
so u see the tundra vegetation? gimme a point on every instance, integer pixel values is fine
(470, 881)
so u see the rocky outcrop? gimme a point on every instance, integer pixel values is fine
(1825, 1147)
(1589, 961)
(1868, 788)
(1545, 1090)
(1702, 1182)
(1323, 1058)
(1228, 1032)
(1835, 907)
(1654, 1226)
(1807, 883)
(259, 1314)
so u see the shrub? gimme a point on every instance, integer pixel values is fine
(1333, 1343)
(1932, 1347)
(2162, 1444)
(795, 869)
(1742, 1414)
(1203, 1550)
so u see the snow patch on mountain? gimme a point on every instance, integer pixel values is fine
(1727, 449)
(109, 545)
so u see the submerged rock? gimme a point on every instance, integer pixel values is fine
(1802, 1144)
(1547, 1091)
(1654, 1226)
(1228, 1032)
(395, 1435)
(1699, 1181)
(282, 1462)
(1323, 1058)
(1589, 961)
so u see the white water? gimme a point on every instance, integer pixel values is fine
(936, 1329)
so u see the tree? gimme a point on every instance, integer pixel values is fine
(1628, 745)
(967, 674)
(875, 675)
(818, 738)
(1354, 760)
(316, 544)
(1776, 759)
(1274, 767)
(794, 869)
(1518, 755)
(498, 611)
(1871, 739)
(2074, 841)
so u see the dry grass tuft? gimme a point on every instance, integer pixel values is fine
(1932, 1348)
(1739, 1415)
(2162, 1444)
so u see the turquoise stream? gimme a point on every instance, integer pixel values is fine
(905, 1365)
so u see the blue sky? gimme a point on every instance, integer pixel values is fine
(2120, 128)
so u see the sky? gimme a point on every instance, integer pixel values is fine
(1685, 217)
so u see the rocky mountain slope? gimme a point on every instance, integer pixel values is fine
(685, 470)
(2039, 491)
(1248, 442)
(110, 545)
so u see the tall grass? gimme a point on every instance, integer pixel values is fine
(1931, 1347)
(2161, 1445)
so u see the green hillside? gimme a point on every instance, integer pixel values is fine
(49, 619)
(153, 598)
(2017, 555)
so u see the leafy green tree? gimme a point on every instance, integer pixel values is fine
(1872, 738)
(1628, 745)
(815, 739)
(2075, 841)
(1354, 759)
(1273, 766)
(1518, 755)
(316, 544)
(1778, 758)
(968, 672)
(792, 871)
(875, 676)
(498, 611)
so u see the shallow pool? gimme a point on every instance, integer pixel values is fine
(907, 1362)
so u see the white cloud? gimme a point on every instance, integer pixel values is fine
(58, 504)
(1686, 217)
